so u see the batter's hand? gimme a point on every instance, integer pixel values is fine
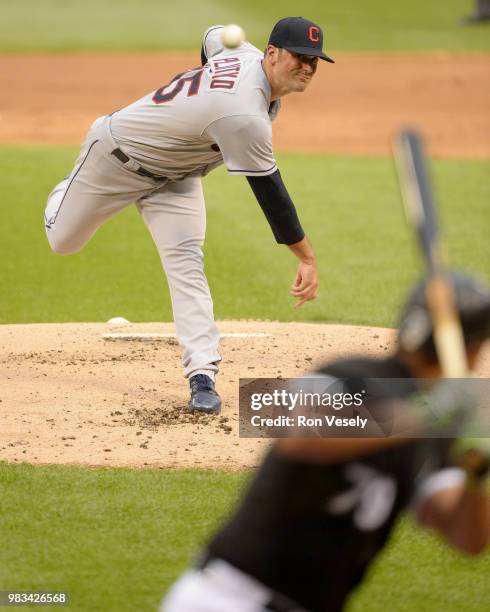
(305, 286)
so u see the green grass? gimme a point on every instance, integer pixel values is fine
(349, 206)
(419, 572)
(116, 539)
(113, 539)
(123, 25)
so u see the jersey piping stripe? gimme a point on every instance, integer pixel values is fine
(205, 38)
(70, 184)
(254, 171)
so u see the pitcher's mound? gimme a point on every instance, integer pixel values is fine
(72, 396)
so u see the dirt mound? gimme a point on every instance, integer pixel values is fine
(70, 396)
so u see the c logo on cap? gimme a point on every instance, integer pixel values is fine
(313, 34)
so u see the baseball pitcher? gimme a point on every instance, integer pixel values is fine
(154, 153)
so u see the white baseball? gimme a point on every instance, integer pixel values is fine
(118, 321)
(232, 36)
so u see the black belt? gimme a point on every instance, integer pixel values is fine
(277, 602)
(122, 157)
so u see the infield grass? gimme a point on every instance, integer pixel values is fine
(349, 206)
(115, 539)
(131, 25)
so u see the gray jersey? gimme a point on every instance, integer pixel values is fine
(217, 113)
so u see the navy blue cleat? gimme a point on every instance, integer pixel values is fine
(203, 396)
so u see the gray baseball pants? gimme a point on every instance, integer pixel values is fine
(100, 186)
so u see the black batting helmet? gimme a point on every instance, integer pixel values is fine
(472, 299)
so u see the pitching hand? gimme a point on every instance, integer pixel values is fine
(306, 283)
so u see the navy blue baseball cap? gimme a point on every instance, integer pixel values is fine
(300, 36)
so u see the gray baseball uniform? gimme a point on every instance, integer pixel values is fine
(153, 153)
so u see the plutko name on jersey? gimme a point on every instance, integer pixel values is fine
(225, 73)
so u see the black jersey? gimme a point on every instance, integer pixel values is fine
(309, 531)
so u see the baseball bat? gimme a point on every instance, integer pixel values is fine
(420, 210)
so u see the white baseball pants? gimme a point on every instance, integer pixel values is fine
(219, 587)
(100, 186)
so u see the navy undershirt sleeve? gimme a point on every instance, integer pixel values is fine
(272, 195)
